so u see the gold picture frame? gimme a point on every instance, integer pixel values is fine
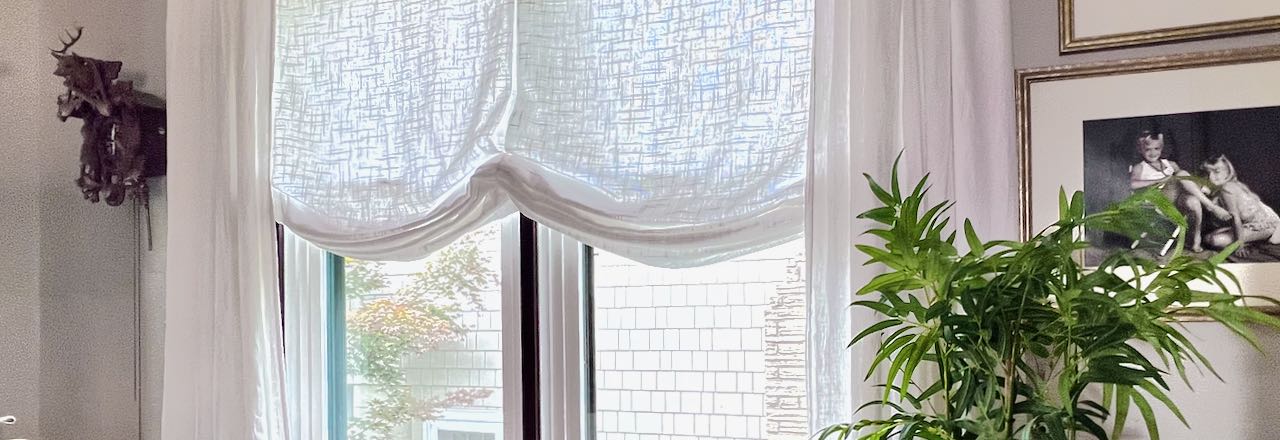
(1071, 42)
(1265, 281)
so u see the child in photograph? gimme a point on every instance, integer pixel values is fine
(1251, 220)
(1191, 199)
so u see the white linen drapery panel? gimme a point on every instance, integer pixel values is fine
(223, 368)
(932, 79)
(673, 133)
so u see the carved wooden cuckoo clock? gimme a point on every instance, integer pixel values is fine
(124, 136)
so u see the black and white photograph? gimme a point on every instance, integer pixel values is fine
(1235, 154)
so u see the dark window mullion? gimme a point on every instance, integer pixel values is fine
(280, 273)
(529, 349)
(588, 314)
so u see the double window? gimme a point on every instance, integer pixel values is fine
(518, 332)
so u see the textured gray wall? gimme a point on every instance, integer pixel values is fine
(1035, 39)
(68, 267)
(1244, 406)
(153, 313)
(87, 250)
(19, 217)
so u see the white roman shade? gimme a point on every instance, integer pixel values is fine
(671, 132)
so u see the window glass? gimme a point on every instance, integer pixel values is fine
(424, 344)
(716, 352)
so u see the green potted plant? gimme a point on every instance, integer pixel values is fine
(1024, 342)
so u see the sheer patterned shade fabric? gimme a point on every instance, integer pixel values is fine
(670, 132)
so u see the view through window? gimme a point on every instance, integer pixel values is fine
(709, 353)
(424, 345)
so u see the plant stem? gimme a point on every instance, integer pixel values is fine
(1008, 387)
(1074, 397)
(946, 382)
(1010, 367)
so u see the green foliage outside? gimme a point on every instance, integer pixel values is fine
(389, 326)
(1024, 342)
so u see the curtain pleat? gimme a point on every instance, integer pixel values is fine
(828, 218)
(932, 81)
(223, 368)
(673, 133)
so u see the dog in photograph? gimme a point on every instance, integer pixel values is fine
(1251, 221)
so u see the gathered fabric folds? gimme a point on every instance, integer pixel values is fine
(923, 81)
(673, 133)
(224, 374)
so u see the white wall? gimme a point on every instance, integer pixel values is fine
(1245, 404)
(153, 313)
(19, 218)
(68, 269)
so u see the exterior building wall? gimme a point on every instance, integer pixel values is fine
(707, 353)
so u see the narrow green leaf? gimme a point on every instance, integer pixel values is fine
(880, 256)
(887, 349)
(836, 432)
(874, 329)
(885, 198)
(1191, 348)
(895, 366)
(882, 234)
(1122, 410)
(1108, 392)
(975, 245)
(1155, 391)
(1085, 419)
(897, 191)
(1064, 208)
(1077, 204)
(923, 345)
(891, 282)
(880, 307)
(1147, 415)
(1221, 257)
(884, 215)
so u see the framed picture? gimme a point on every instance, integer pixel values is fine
(1110, 128)
(1086, 25)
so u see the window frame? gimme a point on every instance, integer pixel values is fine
(540, 269)
(336, 345)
